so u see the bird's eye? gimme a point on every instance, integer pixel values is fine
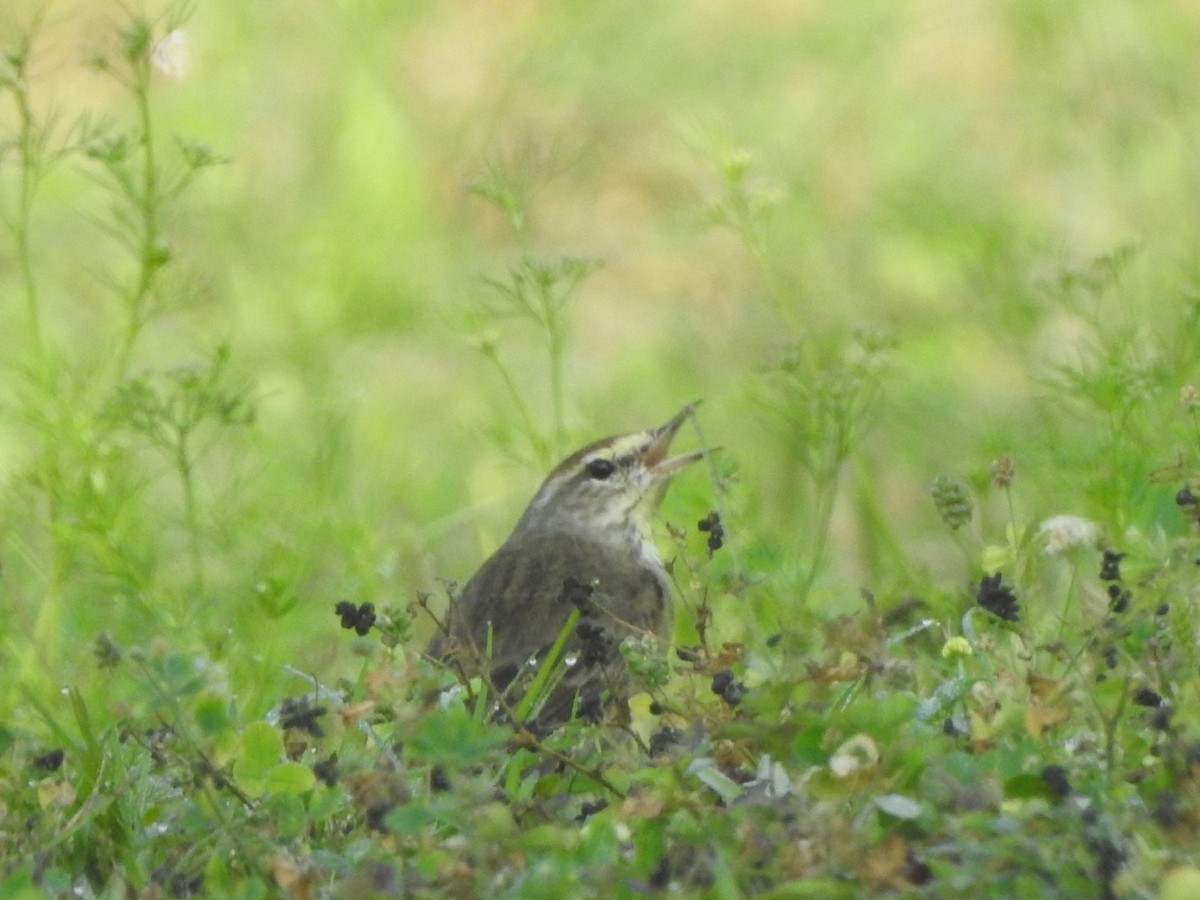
(600, 469)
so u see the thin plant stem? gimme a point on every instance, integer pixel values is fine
(146, 200)
(29, 162)
(184, 467)
(1071, 590)
(823, 521)
(554, 349)
(539, 445)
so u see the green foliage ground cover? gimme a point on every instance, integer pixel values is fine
(298, 306)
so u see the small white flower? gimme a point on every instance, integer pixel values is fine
(773, 777)
(859, 753)
(1063, 533)
(172, 54)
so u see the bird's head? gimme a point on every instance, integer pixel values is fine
(612, 486)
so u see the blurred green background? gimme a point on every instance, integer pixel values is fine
(757, 180)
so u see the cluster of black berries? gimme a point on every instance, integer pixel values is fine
(955, 726)
(728, 688)
(663, 739)
(299, 713)
(590, 808)
(1147, 697)
(1056, 780)
(577, 593)
(1110, 571)
(326, 771)
(596, 644)
(689, 654)
(360, 618)
(716, 531)
(1118, 598)
(591, 706)
(1189, 504)
(50, 761)
(1108, 856)
(439, 780)
(997, 598)
(1110, 566)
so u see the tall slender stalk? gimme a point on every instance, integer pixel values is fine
(146, 198)
(28, 169)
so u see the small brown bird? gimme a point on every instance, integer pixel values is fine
(584, 542)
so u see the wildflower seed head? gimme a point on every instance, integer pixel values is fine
(1003, 470)
(953, 502)
(1063, 533)
(957, 647)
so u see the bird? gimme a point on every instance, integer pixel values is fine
(584, 542)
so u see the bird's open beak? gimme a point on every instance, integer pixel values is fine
(655, 456)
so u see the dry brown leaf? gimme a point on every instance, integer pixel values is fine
(296, 884)
(351, 714)
(1040, 718)
(731, 654)
(1041, 687)
(846, 669)
(643, 806)
(885, 863)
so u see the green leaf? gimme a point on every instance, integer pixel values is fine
(899, 806)
(452, 737)
(1181, 883)
(212, 714)
(289, 778)
(706, 770)
(409, 819)
(20, 886)
(944, 696)
(262, 746)
(1026, 785)
(879, 716)
(536, 689)
(325, 804)
(261, 751)
(286, 811)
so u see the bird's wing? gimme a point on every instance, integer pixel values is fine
(518, 596)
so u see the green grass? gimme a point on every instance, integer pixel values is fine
(307, 320)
